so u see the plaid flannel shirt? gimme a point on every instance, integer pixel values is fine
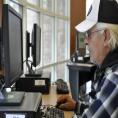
(106, 103)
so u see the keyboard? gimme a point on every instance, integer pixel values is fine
(53, 112)
(62, 87)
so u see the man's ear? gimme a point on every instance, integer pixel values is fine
(106, 36)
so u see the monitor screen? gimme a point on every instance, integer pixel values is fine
(36, 45)
(27, 45)
(12, 45)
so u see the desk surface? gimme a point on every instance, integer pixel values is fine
(51, 99)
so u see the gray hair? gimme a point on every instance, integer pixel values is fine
(113, 28)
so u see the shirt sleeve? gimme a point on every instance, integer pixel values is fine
(106, 103)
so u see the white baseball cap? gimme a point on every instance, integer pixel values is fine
(105, 11)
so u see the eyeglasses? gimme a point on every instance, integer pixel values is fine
(88, 34)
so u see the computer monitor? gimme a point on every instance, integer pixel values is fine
(12, 56)
(36, 45)
(27, 45)
(12, 45)
(35, 51)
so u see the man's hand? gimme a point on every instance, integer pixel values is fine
(65, 102)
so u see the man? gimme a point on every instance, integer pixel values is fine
(101, 28)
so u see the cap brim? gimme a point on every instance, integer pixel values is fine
(85, 25)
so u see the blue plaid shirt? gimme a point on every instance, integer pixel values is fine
(106, 103)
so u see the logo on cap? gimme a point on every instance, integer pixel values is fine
(90, 9)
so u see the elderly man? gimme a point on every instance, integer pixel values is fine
(101, 29)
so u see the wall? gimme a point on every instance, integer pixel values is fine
(77, 14)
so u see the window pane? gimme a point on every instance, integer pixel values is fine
(61, 7)
(32, 17)
(60, 70)
(47, 69)
(61, 39)
(35, 2)
(48, 5)
(16, 6)
(47, 39)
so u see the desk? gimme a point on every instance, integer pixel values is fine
(79, 73)
(51, 100)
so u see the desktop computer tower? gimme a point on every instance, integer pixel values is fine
(34, 83)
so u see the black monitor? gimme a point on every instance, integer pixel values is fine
(27, 45)
(35, 50)
(12, 45)
(36, 45)
(12, 56)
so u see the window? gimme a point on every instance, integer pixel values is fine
(32, 17)
(16, 6)
(61, 7)
(48, 5)
(35, 2)
(61, 40)
(47, 35)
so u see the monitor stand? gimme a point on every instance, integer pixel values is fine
(11, 98)
(36, 73)
(32, 73)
